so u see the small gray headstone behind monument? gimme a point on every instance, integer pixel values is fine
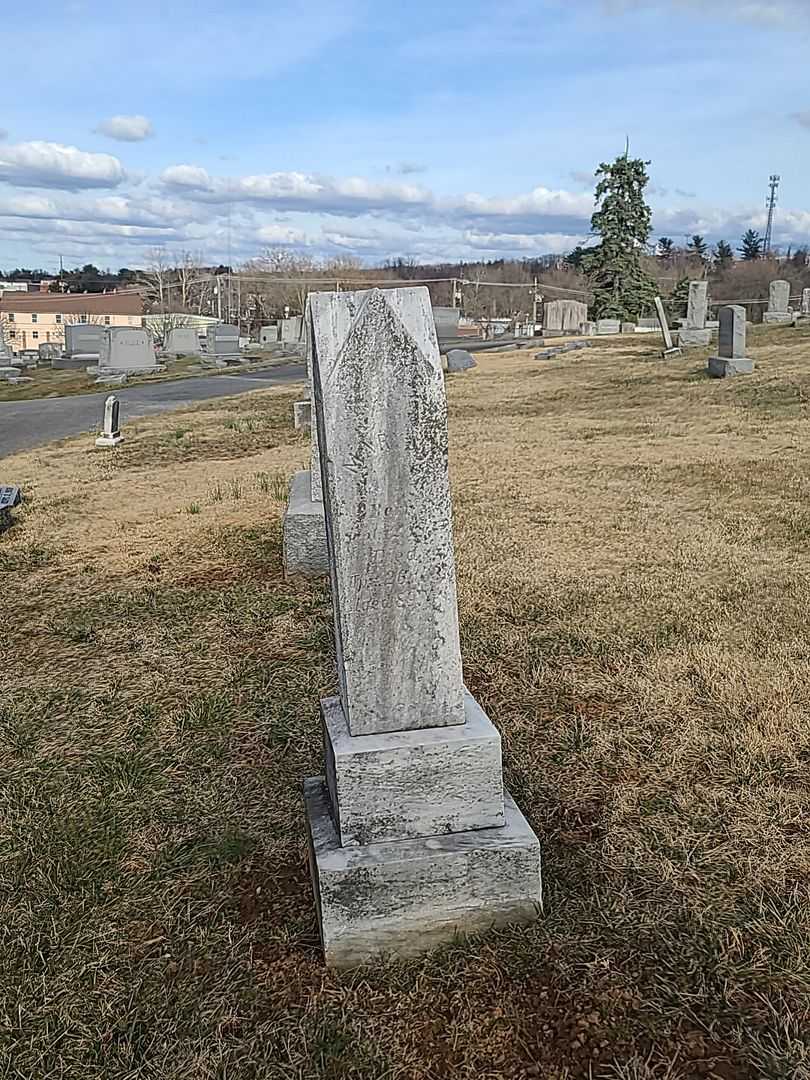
(566, 316)
(84, 338)
(778, 303)
(446, 320)
(182, 341)
(127, 350)
(805, 308)
(460, 360)
(291, 329)
(731, 358)
(608, 326)
(222, 340)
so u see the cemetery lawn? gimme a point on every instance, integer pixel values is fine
(633, 543)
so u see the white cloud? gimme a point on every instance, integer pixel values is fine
(283, 236)
(768, 12)
(126, 128)
(52, 165)
(186, 176)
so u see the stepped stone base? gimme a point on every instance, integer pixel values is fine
(721, 368)
(406, 784)
(408, 896)
(109, 440)
(778, 317)
(304, 531)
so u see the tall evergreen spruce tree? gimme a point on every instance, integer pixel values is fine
(621, 287)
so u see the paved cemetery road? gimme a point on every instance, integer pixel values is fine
(24, 424)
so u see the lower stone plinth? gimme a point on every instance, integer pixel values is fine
(405, 784)
(304, 531)
(109, 440)
(694, 338)
(720, 367)
(778, 317)
(408, 896)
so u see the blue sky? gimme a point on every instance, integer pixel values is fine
(355, 128)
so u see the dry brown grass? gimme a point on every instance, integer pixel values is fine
(632, 544)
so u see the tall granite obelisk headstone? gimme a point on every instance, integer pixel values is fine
(412, 836)
(303, 528)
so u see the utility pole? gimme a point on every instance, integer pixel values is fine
(770, 203)
(536, 300)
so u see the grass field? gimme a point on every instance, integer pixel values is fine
(633, 543)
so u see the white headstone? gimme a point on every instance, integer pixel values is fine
(778, 303)
(111, 433)
(696, 305)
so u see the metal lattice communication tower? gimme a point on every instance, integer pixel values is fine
(771, 205)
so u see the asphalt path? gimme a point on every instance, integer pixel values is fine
(25, 424)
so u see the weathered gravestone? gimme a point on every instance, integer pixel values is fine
(302, 415)
(83, 345)
(291, 329)
(446, 320)
(268, 335)
(111, 433)
(127, 350)
(628, 328)
(9, 498)
(304, 526)
(669, 348)
(460, 360)
(48, 350)
(731, 359)
(778, 303)
(9, 373)
(223, 341)
(805, 308)
(182, 341)
(5, 351)
(564, 316)
(695, 333)
(86, 339)
(608, 326)
(412, 836)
